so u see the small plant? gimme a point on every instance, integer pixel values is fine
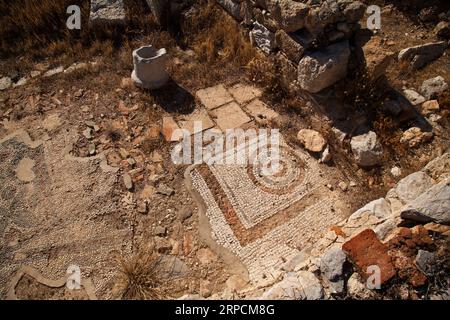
(139, 279)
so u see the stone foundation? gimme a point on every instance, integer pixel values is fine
(309, 35)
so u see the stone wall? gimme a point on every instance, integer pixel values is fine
(308, 38)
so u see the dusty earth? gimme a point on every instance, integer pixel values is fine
(68, 142)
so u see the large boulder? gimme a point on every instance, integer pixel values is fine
(420, 56)
(431, 206)
(296, 286)
(366, 149)
(321, 69)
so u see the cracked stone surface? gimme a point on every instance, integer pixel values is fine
(230, 116)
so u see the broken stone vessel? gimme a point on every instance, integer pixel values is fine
(149, 67)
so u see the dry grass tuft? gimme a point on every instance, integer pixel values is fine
(139, 279)
(263, 71)
(216, 36)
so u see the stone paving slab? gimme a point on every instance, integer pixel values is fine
(198, 115)
(243, 93)
(260, 111)
(214, 97)
(230, 116)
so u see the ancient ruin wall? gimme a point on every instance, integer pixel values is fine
(309, 39)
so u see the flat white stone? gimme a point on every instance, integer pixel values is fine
(230, 116)
(243, 93)
(200, 116)
(260, 111)
(214, 97)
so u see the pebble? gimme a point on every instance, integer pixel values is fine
(127, 181)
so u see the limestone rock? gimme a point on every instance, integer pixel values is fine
(439, 168)
(431, 206)
(262, 38)
(290, 15)
(384, 229)
(232, 7)
(288, 72)
(431, 88)
(379, 208)
(127, 181)
(165, 190)
(396, 172)
(312, 140)
(366, 149)
(425, 261)
(332, 267)
(429, 107)
(300, 286)
(107, 12)
(421, 55)
(414, 137)
(321, 69)
(357, 289)
(413, 185)
(326, 155)
(413, 97)
(354, 11)
(437, 228)
(5, 83)
(292, 49)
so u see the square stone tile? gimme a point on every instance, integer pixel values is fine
(214, 97)
(198, 115)
(260, 111)
(230, 116)
(244, 93)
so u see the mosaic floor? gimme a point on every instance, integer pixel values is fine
(266, 220)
